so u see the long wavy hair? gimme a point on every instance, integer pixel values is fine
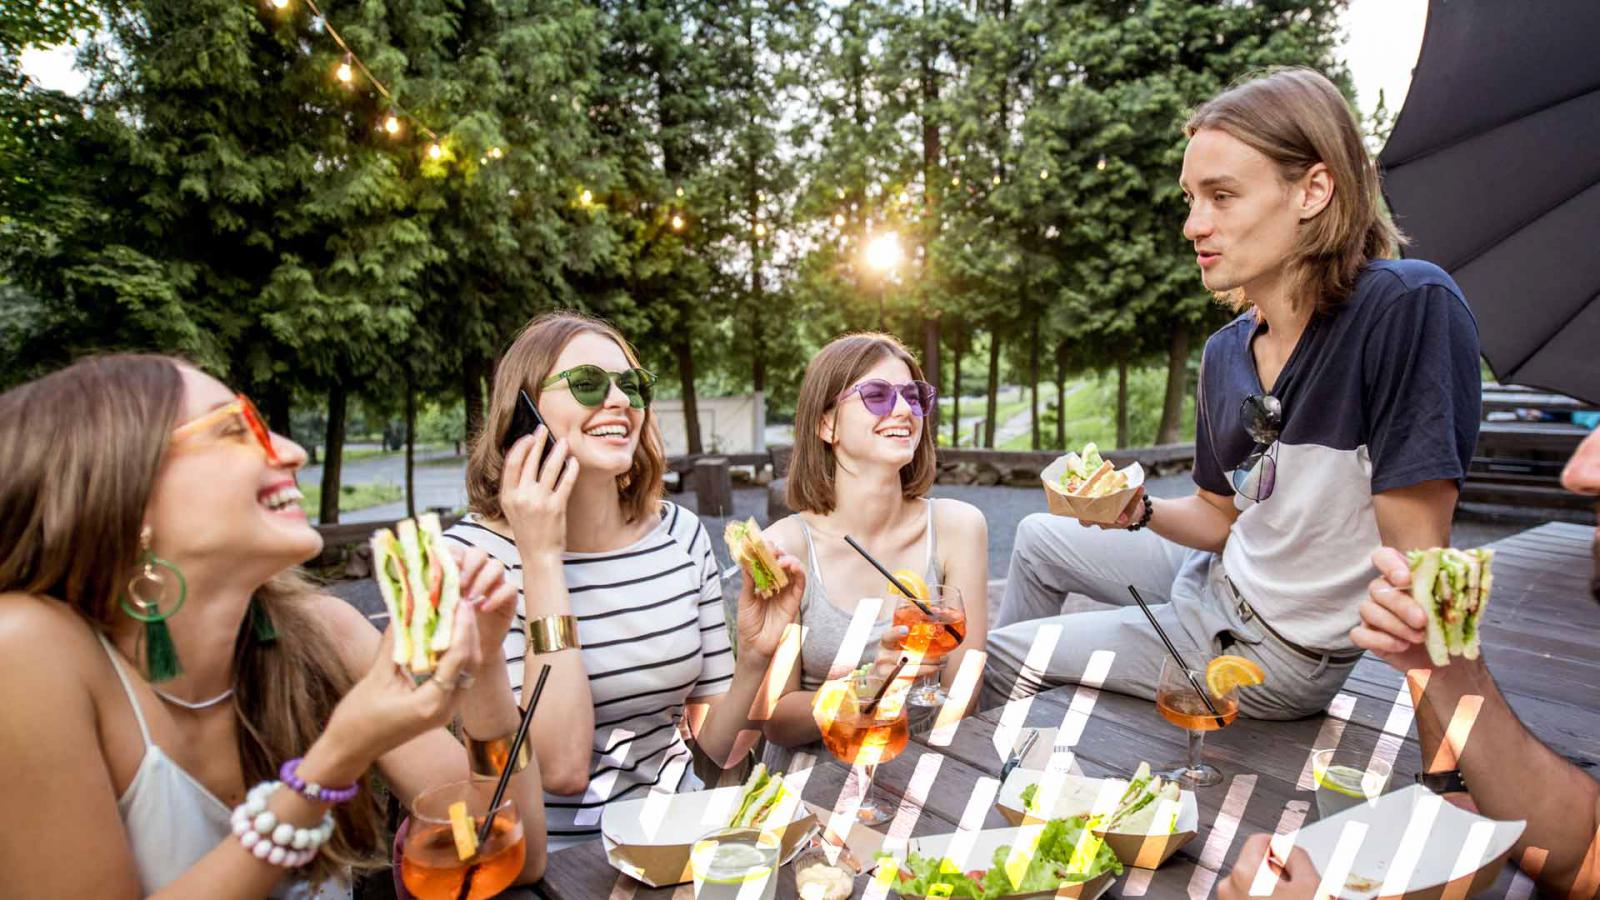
(1297, 118)
(83, 447)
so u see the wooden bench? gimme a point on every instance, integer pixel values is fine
(1520, 463)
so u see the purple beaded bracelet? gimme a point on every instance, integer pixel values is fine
(289, 774)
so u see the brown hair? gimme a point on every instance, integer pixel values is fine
(1297, 118)
(83, 447)
(834, 368)
(524, 367)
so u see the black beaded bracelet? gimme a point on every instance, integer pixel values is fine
(1149, 510)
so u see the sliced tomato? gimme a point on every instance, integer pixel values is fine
(435, 581)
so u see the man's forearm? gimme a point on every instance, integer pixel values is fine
(1192, 522)
(1463, 721)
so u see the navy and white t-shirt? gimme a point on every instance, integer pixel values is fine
(1380, 394)
(654, 635)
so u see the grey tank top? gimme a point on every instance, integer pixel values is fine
(826, 630)
(826, 625)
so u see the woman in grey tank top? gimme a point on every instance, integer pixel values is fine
(862, 466)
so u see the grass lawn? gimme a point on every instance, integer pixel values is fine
(1005, 410)
(352, 496)
(351, 454)
(1089, 418)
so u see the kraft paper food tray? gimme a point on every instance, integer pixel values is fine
(975, 850)
(1456, 853)
(650, 838)
(1089, 509)
(1144, 851)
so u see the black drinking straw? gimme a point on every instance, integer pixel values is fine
(1187, 672)
(884, 688)
(900, 586)
(505, 776)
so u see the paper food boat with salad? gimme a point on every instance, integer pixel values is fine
(651, 838)
(1085, 486)
(1060, 858)
(1410, 844)
(1144, 820)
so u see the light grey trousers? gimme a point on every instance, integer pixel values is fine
(1188, 593)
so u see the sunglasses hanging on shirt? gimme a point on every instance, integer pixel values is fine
(1262, 418)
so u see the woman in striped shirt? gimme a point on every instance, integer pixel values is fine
(603, 563)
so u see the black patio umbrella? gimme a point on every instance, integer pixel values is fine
(1493, 169)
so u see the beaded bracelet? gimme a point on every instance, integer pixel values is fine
(289, 774)
(279, 843)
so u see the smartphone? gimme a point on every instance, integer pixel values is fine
(524, 419)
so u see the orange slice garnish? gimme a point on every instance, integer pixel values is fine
(911, 580)
(461, 829)
(1225, 674)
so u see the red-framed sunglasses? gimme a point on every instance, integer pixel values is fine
(247, 414)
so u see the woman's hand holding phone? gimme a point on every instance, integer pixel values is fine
(533, 494)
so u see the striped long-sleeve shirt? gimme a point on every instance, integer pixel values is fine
(651, 622)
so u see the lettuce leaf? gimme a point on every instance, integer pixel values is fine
(1068, 853)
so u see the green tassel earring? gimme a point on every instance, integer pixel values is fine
(261, 623)
(160, 654)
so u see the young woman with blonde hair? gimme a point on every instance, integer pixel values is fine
(619, 591)
(159, 655)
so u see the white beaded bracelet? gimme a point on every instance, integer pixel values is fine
(279, 843)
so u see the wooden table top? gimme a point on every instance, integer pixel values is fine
(1539, 635)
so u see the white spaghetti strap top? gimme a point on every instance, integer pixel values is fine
(172, 820)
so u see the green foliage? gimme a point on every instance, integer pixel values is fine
(217, 194)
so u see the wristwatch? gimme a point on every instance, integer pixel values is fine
(1450, 782)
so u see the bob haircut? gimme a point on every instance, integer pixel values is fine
(526, 364)
(835, 367)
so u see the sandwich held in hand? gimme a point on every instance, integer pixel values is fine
(1087, 475)
(746, 546)
(762, 793)
(1452, 587)
(1088, 488)
(421, 588)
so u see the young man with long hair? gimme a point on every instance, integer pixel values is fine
(1336, 414)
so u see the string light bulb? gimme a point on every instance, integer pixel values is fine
(344, 73)
(838, 220)
(496, 153)
(680, 192)
(677, 222)
(435, 151)
(587, 197)
(956, 181)
(997, 180)
(391, 124)
(1044, 174)
(280, 4)
(1101, 165)
(761, 230)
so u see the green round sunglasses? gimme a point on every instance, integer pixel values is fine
(590, 384)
